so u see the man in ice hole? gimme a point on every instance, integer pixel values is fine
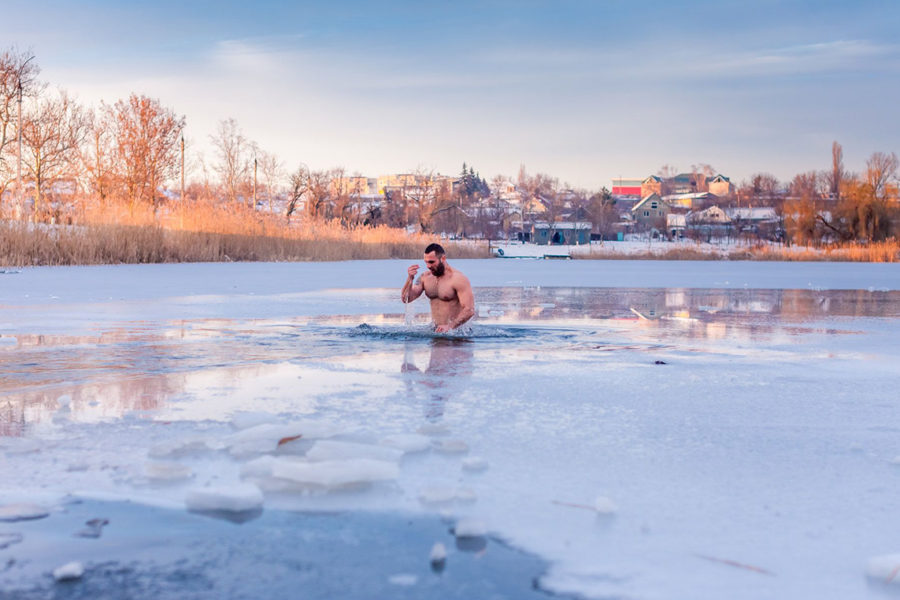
(452, 301)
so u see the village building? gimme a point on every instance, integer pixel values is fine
(675, 226)
(650, 213)
(562, 233)
(651, 185)
(720, 186)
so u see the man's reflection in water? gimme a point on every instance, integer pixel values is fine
(449, 366)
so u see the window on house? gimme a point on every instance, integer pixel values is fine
(646, 213)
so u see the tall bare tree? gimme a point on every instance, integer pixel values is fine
(299, 182)
(273, 175)
(18, 79)
(234, 160)
(53, 131)
(146, 136)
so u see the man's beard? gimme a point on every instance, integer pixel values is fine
(438, 270)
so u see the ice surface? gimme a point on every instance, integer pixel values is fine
(232, 498)
(764, 442)
(408, 442)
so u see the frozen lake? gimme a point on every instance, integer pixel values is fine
(636, 429)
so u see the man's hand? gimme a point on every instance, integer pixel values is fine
(411, 271)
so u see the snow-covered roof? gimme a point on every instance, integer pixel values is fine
(762, 213)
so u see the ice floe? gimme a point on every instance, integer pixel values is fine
(22, 512)
(69, 571)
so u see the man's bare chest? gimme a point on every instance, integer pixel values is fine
(438, 289)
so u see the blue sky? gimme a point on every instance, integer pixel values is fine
(583, 90)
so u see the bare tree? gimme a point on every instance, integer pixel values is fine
(299, 187)
(53, 131)
(146, 136)
(273, 174)
(18, 79)
(234, 160)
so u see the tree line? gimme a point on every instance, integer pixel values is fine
(131, 153)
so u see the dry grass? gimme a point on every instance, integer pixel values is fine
(204, 234)
(887, 251)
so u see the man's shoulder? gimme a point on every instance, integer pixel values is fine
(459, 276)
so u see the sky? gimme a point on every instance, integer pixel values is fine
(585, 91)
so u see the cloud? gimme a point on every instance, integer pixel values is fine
(839, 55)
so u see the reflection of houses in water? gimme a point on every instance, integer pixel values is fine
(731, 306)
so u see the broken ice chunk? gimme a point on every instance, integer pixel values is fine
(466, 528)
(8, 539)
(885, 568)
(233, 498)
(336, 473)
(437, 494)
(605, 506)
(246, 420)
(404, 579)
(22, 512)
(178, 448)
(438, 556)
(332, 450)
(267, 437)
(69, 571)
(408, 442)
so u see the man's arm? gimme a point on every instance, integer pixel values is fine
(466, 302)
(411, 290)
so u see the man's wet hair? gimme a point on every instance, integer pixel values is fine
(436, 248)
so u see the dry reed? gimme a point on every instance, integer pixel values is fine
(886, 251)
(205, 233)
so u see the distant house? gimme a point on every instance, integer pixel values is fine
(709, 216)
(720, 186)
(761, 221)
(566, 232)
(651, 185)
(675, 225)
(651, 212)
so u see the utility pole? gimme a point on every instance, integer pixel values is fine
(19, 150)
(19, 190)
(182, 181)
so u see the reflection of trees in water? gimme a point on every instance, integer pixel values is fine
(450, 364)
(607, 303)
